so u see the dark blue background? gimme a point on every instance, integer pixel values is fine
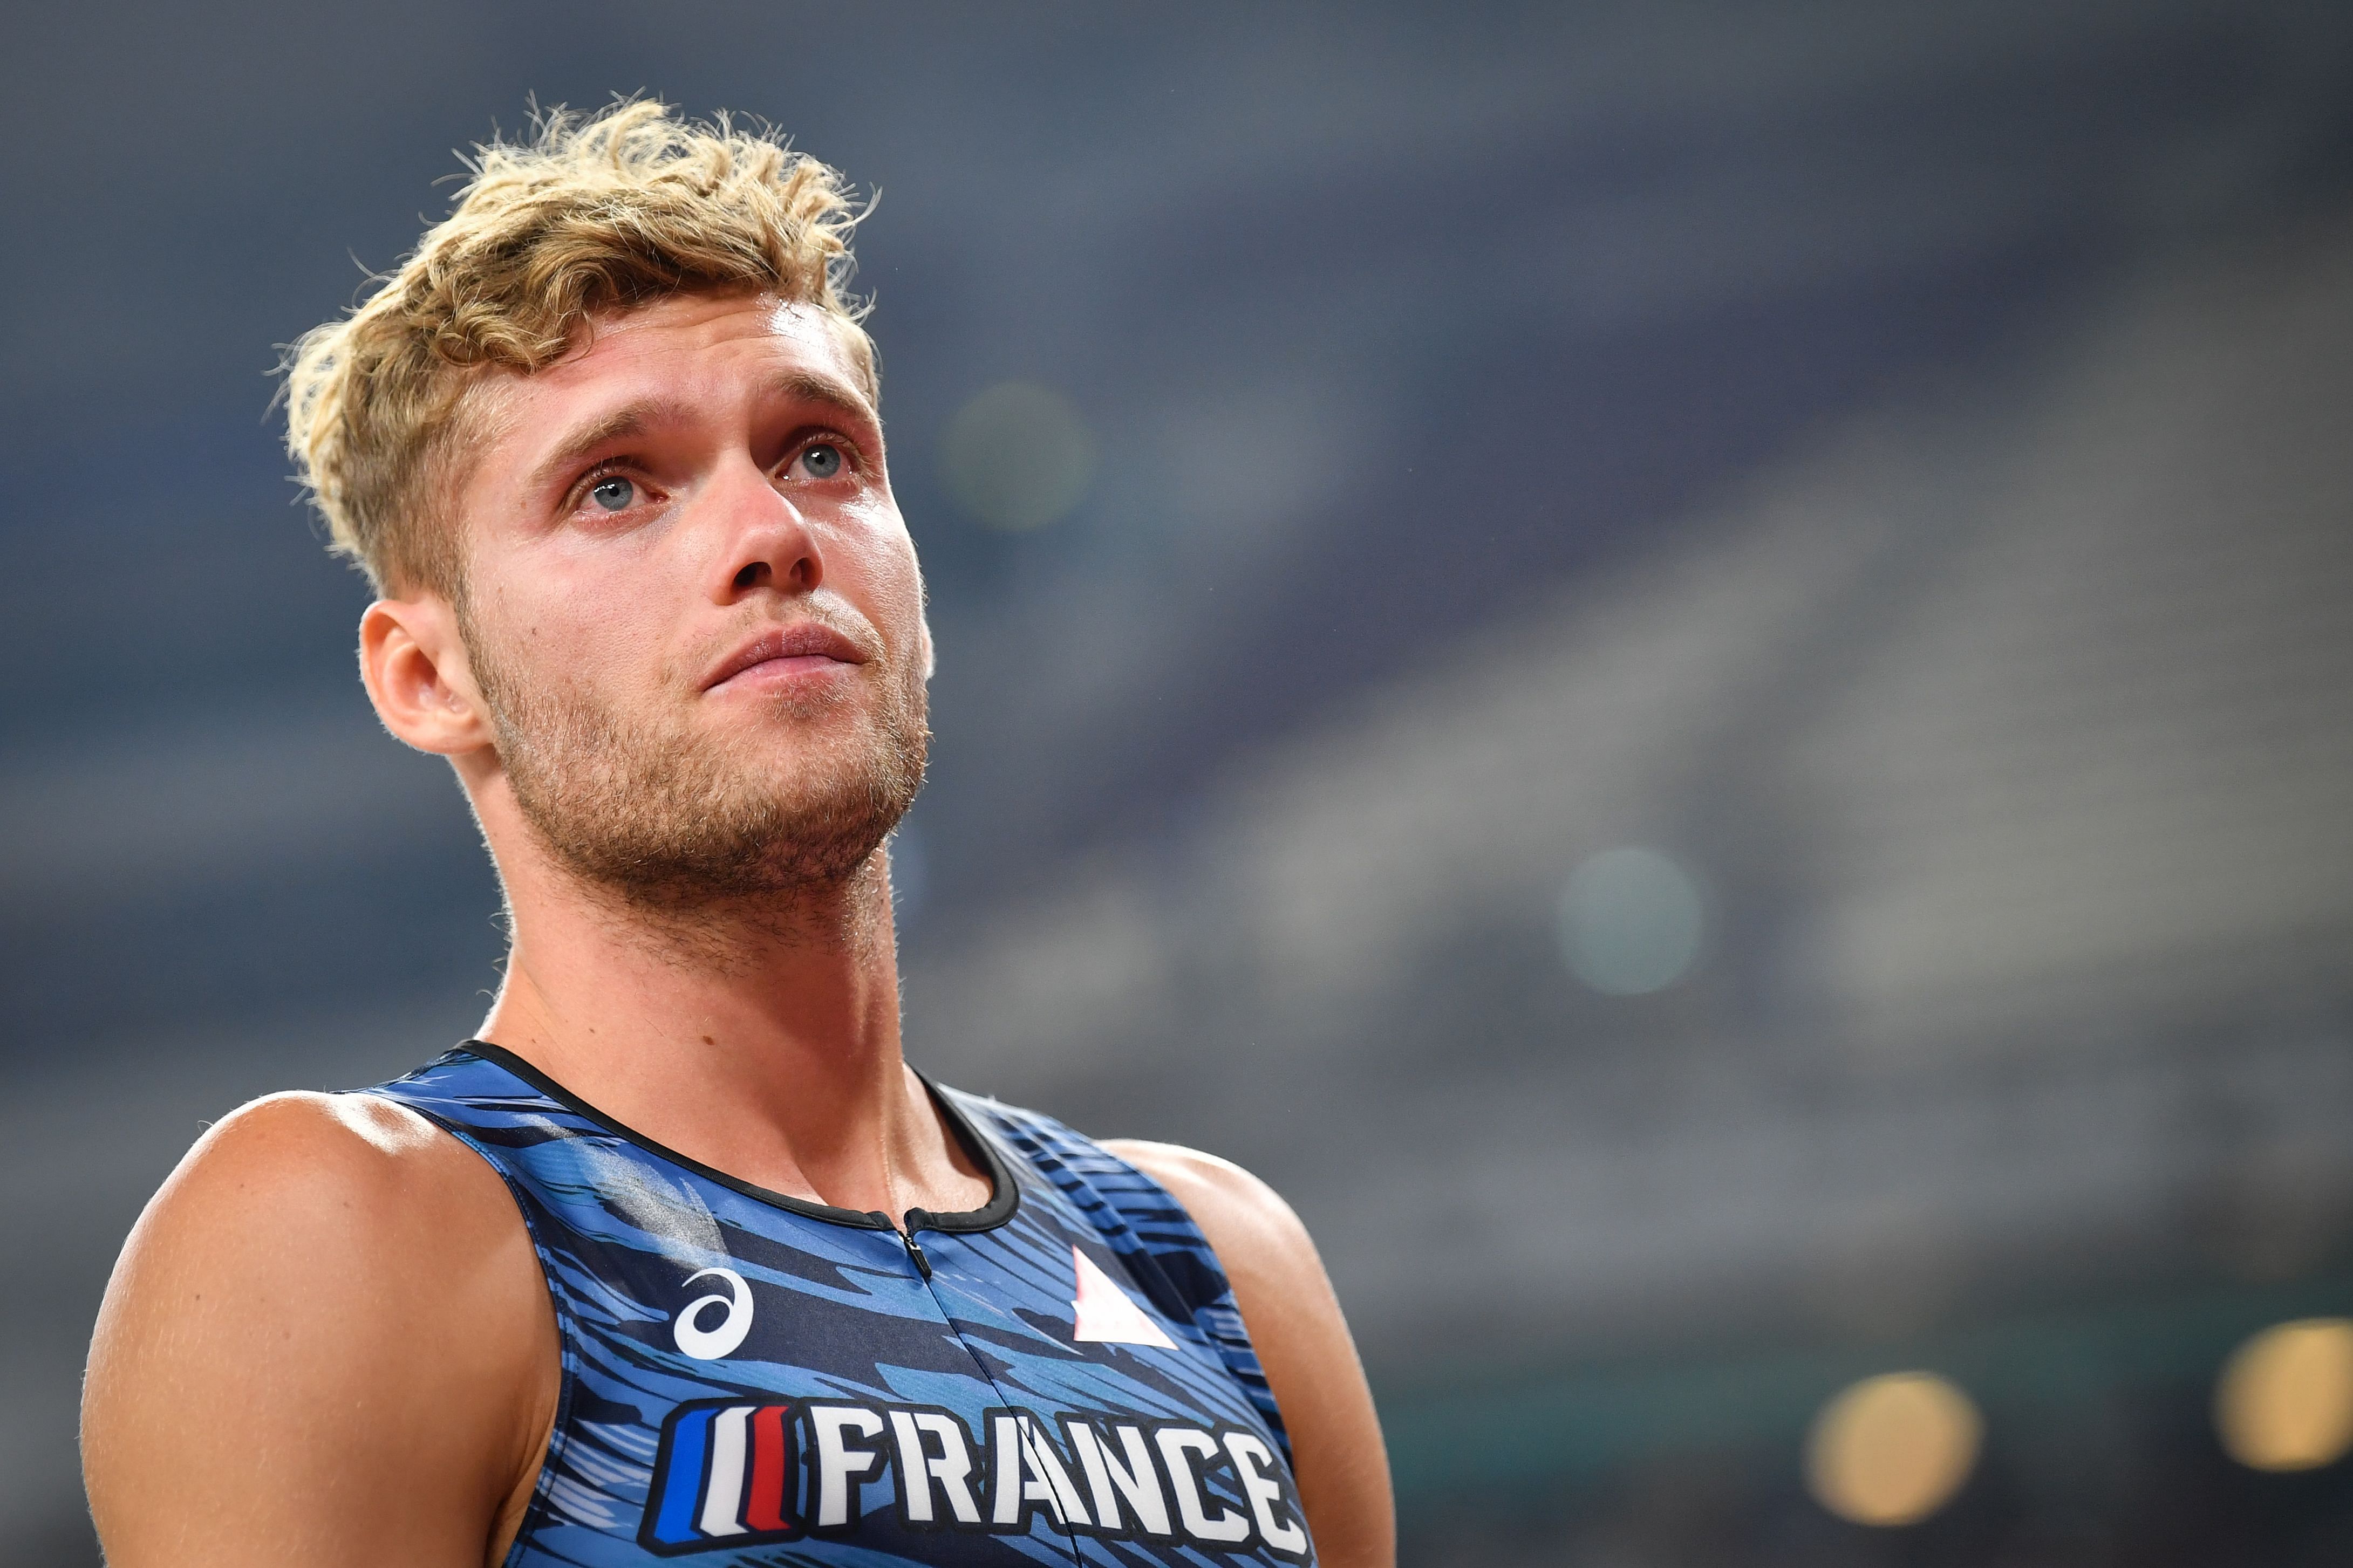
(1966, 374)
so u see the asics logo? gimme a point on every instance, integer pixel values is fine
(709, 1343)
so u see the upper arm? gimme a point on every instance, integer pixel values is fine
(1302, 1343)
(324, 1342)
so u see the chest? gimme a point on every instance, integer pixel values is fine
(748, 1386)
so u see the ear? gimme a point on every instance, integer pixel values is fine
(414, 665)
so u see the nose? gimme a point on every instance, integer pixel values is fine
(764, 541)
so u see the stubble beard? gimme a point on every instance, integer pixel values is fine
(661, 818)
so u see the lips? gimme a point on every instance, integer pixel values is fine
(807, 640)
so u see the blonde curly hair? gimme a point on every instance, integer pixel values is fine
(587, 215)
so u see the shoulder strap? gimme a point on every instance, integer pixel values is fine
(1166, 1253)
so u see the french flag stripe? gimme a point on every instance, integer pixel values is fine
(690, 1440)
(722, 1500)
(769, 1507)
(727, 1471)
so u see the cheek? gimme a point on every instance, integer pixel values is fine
(579, 634)
(893, 578)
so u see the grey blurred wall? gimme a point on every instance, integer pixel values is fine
(1842, 508)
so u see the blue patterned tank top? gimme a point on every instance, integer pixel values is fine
(748, 1378)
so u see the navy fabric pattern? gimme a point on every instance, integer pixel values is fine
(1061, 1377)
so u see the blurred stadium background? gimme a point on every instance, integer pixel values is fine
(1690, 667)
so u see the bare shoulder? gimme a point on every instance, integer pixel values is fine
(1246, 1221)
(346, 1188)
(1302, 1343)
(314, 1256)
(343, 1147)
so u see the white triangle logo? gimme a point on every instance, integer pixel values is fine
(1106, 1315)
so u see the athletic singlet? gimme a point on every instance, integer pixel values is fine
(1058, 1378)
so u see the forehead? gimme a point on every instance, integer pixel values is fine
(688, 349)
(687, 338)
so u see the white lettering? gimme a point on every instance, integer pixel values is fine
(1058, 1476)
(950, 1468)
(1005, 1469)
(1021, 1479)
(839, 1465)
(1264, 1492)
(1137, 1481)
(1175, 1442)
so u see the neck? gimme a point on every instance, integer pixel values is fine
(761, 1039)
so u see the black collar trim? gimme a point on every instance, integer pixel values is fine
(1003, 1192)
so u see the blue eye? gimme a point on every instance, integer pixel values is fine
(822, 461)
(612, 493)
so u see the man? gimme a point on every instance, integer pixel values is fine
(680, 1259)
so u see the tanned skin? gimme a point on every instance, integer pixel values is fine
(327, 1340)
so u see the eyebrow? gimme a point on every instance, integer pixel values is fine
(631, 419)
(806, 386)
(649, 413)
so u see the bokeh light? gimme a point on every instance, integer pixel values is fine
(1893, 1449)
(1018, 456)
(2285, 1401)
(1631, 922)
